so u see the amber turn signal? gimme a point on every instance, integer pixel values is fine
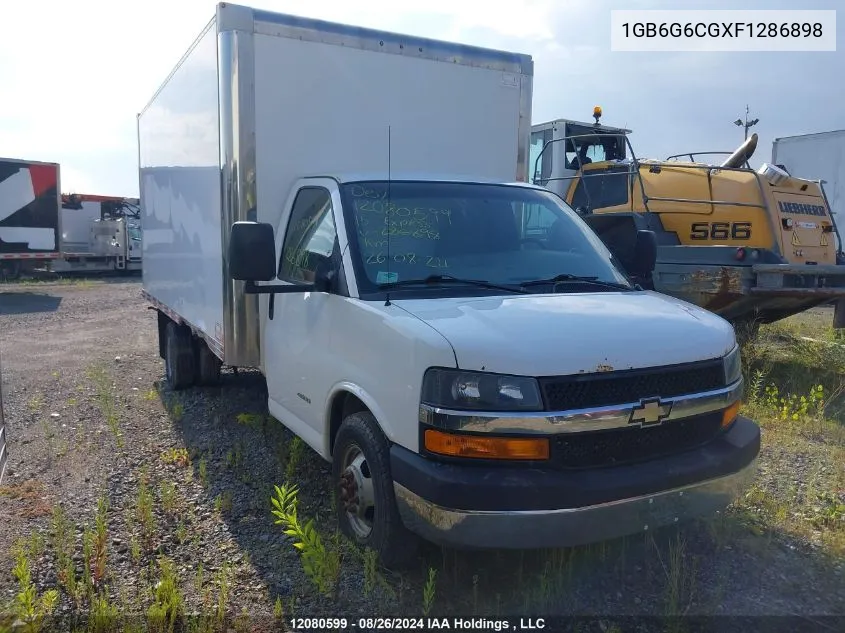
(486, 447)
(729, 414)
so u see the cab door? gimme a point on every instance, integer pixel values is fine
(297, 340)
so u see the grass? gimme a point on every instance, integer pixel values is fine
(144, 514)
(177, 456)
(795, 372)
(107, 400)
(77, 282)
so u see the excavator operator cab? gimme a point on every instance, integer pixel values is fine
(584, 163)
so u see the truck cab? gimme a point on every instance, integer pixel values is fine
(419, 335)
(561, 150)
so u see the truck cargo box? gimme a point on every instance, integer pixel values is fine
(262, 99)
(29, 210)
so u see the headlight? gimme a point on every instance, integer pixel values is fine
(733, 366)
(455, 389)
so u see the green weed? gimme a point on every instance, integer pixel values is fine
(107, 401)
(320, 563)
(429, 591)
(30, 608)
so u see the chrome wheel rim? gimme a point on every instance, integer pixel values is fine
(357, 495)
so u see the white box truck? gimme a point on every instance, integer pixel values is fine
(460, 347)
(820, 157)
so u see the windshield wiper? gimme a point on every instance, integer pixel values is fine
(449, 279)
(576, 278)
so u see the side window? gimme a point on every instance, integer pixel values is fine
(534, 220)
(311, 236)
(538, 220)
(599, 191)
(547, 229)
(542, 171)
(596, 153)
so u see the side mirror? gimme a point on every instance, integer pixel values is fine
(324, 276)
(645, 253)
(252, 251)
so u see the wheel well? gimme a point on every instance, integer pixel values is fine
(343, 405)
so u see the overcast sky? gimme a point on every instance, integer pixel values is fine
(73, 75)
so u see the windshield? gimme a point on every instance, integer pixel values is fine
(134, 233)
(505, 235)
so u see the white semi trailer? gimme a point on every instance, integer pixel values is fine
(461, 347)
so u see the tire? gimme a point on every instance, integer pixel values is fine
(208, 365)
(179, 362)
(361, 454)
(10, 270)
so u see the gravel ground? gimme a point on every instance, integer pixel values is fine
(89, 415)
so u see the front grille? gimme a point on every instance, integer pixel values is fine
(620, 387)
(627, 445)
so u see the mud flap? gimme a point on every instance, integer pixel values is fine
(839, 314)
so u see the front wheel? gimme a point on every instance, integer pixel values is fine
(366, 504)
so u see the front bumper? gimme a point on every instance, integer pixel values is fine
(518, 508)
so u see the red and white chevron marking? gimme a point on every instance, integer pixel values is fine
(16, 192)
(30, 256)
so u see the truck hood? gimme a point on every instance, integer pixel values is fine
(547, 335)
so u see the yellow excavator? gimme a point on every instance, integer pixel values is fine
(754, 246)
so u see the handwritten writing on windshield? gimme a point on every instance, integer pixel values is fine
(431, 261)
(377, 217)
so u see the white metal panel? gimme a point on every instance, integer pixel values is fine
(180, 190)
(343, 335)
(322, 108)
(817, 157)
(16, 192)
(35, 238)
(534, 335)
(76, 227)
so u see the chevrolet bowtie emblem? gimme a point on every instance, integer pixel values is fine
(650, 413)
